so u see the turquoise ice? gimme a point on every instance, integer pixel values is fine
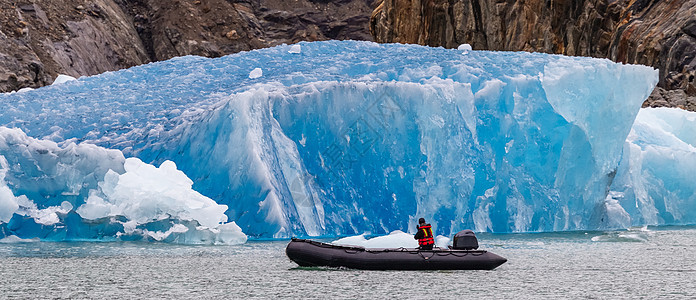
(340, 138)
(655, 182)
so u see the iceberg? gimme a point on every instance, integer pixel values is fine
(87, 192)
(341, 138)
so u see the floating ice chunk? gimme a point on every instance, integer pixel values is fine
(145, 193)
(63, 78)
(395, 239)
(13, 239)
(256, 73)
(442, 241)
(230, 234)
(26, 89)
(464, 47)
(188, 233)
(357, 240)
(295, 49)
(630, 235)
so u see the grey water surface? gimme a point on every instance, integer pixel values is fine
(653, 263)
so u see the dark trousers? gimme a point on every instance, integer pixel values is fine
(426, 247)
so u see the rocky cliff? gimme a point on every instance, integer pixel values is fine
(658, 33)
(40, 39)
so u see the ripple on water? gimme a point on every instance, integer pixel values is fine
(556, 265)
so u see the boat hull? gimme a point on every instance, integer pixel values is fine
(307, 253)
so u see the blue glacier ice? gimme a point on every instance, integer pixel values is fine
(655, 181)
(41, 184)
(340, 138)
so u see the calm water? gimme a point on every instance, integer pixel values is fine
(658, 263)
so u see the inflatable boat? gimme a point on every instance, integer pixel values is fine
(462, 256)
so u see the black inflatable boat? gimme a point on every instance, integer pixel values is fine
(462, 256)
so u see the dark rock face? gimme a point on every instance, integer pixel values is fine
(657, 33)
(41, 39)
(213, 28)
(38, 41)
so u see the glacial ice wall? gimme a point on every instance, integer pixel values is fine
(336, 138)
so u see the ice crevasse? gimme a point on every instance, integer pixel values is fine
(339, 138)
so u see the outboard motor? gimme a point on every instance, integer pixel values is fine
(465, 240)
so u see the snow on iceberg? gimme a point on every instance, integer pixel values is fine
(43, 188)
(352, 137)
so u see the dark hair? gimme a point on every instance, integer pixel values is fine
(421, 221)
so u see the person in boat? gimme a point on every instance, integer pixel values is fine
(425, 237)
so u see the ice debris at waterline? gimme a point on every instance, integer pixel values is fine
(342, 138)
(84, 191)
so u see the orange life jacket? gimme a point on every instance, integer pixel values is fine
(427, 238)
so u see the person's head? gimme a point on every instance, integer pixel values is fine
(421, 221)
